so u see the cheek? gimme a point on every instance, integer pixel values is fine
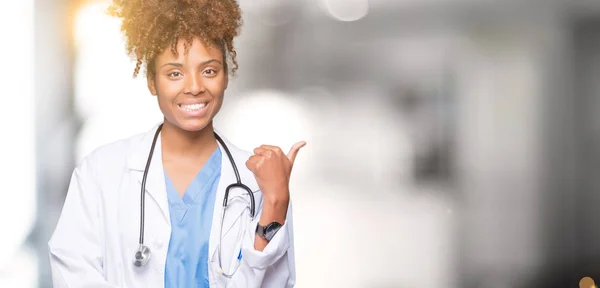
(167, 90)
(216, 88)
(217, 95)
(166, 94)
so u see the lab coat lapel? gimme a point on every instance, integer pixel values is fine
(155, 180)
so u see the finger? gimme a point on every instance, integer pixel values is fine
(254, 162)
(263, 152)
(294, 151)
(256, 159)
(251, 165)
(275, 149)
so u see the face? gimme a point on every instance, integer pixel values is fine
(189, 87)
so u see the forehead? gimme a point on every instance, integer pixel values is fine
(198, 51)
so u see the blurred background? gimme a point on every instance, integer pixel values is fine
(451, 143)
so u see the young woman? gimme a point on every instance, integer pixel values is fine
(178, 206)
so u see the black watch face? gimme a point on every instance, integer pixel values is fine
(271, 229)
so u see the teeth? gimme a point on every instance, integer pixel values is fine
(193, 107)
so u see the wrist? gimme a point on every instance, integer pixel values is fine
(277, 200)
(274, 210)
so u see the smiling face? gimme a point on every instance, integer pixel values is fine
(189, 87)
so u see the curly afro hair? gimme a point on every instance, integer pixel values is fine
(151, 26)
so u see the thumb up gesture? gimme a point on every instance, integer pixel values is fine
(272, 169)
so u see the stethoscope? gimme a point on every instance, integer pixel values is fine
(143, 254)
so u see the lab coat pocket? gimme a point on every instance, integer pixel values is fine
(216, 279)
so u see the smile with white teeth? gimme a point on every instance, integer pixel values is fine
(192, 107)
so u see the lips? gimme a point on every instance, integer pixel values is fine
(192, 107)
(194, 110)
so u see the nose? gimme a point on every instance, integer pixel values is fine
(194, 85)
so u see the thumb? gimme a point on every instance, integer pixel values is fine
(294, 151)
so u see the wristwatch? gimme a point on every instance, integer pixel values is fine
(267, 232)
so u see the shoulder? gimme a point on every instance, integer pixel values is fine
(110, 156)
(227, 146)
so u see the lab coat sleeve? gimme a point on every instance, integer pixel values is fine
(272, 267)
(76, 245)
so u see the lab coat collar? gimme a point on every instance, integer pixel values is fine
(155, 182)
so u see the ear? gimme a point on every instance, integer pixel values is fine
(226, 79)
(151, 83)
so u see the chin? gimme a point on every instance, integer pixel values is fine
(193, 125)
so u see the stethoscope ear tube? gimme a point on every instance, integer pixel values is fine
(250, 195)
(238, 181)
(143, 192)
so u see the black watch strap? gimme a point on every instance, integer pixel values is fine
(268, 232)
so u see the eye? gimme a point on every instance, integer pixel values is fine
(210, 71)
(174, 74)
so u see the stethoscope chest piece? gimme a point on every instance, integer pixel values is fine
(142, 256)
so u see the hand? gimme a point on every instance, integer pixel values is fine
(272, 170)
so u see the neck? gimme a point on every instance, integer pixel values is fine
(177, 142)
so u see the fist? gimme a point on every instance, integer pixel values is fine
(272, 169)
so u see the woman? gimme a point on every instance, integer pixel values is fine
(147, 211)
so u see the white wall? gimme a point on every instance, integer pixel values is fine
(17, 147)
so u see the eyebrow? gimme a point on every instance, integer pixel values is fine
(180, 65)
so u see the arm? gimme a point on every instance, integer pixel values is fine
(270, 263)
(272, 170)
(75, 247)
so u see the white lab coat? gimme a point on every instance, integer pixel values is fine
(98, 230)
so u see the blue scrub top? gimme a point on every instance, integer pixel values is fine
(191, 221)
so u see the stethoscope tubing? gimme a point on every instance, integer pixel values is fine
(143, 254)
